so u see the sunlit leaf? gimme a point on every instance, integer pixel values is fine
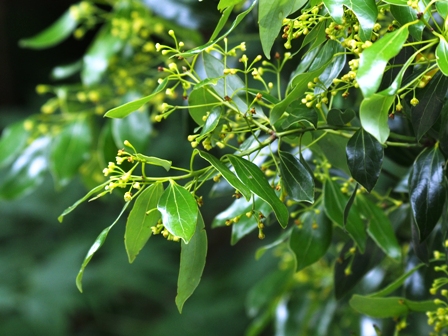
(12, 142)
(192, 263)
(223, 4)
(442, 9)
(442, 56)
(405, 14)
(297, 180)
(155, 161)
(201, 101)
(374, 115)
(212, 120)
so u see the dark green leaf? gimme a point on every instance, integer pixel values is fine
(179, 211)
(143, 216)
(420, 247)
(299, 114)
(155, 161)
(69, 149)
(379, 227)
(125, 109)
(212, 120)
(332, 148)
(296, 178)
(442, 56)
(374, 59)
(227, 174)
(255, 180)
(136, 128)
(443, 137)
(65, 71)
(427, 190)
(99, 241)
(389, 307)
(334, 203)
(306, 61)
(340, 118)
(27, 170)
(364, 158)
(56, 33)
(333, 70)
(311, 239)
(349, 204)
(405, 14)
(425, 114)
(374, 115)
(192, 263)
(12, 142)
(200, 102)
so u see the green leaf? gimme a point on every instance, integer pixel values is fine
(332, 148)
(442, 9)
(56, 33)
(335, 9)
(192, 263)
(334, 203)
(136, 128)
(223, 4)
(389, 307)
(179, 211)
(222, 21)
(155, 161)
(426, 113)
(65, 71)
(27, 171)
(255, 180)
(99, 241)
(406, 14)
(125, 109)
(201, 101)
(227, 174)
(298, 114)
(297, 180)
(374, 115)
(379, 227)
(143, 216)
(442, 56)
(397, 2)
(426, 189)
(333, 70)
(338, 117)
(70, 149)
(374, 59)
(212, 120)
(311, 239)
(348, 205)
(364, 158)
(96, 59)
(443, 136)
(12, 142)
(262, 250)
(316, 36)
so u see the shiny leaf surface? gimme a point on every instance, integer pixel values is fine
(374, 115)
(136, 128)
(201, 101)
(442, 56)
(405, 14)
(297, 180)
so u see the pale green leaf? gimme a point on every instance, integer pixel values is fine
(374, 115)
(442, 56)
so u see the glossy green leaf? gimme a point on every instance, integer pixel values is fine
(223, 4)
(12, 142)
(136, 128)
(335, 9)
(65, 71)
(427, 191)
(311, 239)
(348, 205)
(442, 8)
(442, 56)
(222, 21)
(155, 161)
(374, 115)
(297, 180)
(192, 263)
(389, 307)
(426, 113)
(69, 149)
(143, 216)
(125, 109)
(179, 211)
(397, 2)
(315, 37)
(334, 204)
(201, 101)
(212, 120)
(255, 180)
(27, 171)
(56, 33)
(404, 67)
(227, 174)
(374, 59)
(405, 14)
(332, 71)
(96, 59)
(99, 241)
(338, 117)
(379, 227)
(364, 158)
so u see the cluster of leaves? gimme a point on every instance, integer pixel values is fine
(312, 139)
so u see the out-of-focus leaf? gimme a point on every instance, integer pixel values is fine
(405, 14)
(340, 118)
(65, 71)
(99, 241)
(374, 115)
(223, 4)
(298, 114)
(443, 136)
(212, 120)
(155, 161)
(227, 174)
(374, 59)
(389, 307)
(200, 102)
(442, 56)
(262, 250)
(143, 216)
(254, 179)
(332, 147)
(125, 109)
(442, 8)
(192, 263)
(334, 204)
(12, 142)
(69, 149)
(27, 171)
(427, 190)
(179, 211)
(136, 128)
(425, 114)
(364, 158)
(310, 240)
(297, 180)
(56, 33)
